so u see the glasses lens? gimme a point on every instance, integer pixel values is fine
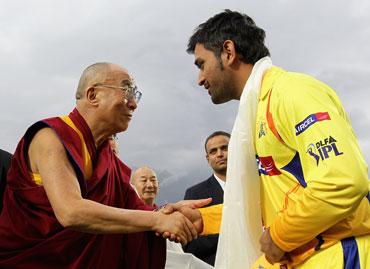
(133, 93)
(138, 96)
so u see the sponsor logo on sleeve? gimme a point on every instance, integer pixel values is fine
(310, 120)
(266, 166)
(323, 149)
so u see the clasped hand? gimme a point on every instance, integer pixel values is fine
(272, 252)
(181, 222)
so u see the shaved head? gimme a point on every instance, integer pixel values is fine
(145, 181)
(95, 73)
(141, 170)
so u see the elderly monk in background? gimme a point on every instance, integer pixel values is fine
(68, 202)
(145, 181)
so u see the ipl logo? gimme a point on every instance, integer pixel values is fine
(323, 149)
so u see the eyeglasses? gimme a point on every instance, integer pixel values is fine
(130, 91)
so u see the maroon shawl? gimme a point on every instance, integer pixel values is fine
(30, 234)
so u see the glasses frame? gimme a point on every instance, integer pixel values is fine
(130, 91)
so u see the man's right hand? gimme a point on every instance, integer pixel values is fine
(175, 226)
(169, 208)
(189, 209)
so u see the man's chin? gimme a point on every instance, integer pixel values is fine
(217, 100)
(123, 128)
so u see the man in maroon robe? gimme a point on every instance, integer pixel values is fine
(68, 202)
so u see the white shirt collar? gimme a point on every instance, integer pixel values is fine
(220, 181)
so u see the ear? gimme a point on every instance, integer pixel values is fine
(228, 54)
(207, 157)
(91, 96)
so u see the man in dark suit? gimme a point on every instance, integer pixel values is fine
(5, 158)
(216, 145)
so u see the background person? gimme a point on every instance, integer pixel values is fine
(145, 181)
(5, 158)
(216, 147)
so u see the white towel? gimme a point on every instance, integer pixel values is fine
(241, 227)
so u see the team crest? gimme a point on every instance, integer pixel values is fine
(262, 129)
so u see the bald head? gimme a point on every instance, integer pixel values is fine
(145, 181)
(96, 73)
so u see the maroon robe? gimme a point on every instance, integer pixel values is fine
(32, 237)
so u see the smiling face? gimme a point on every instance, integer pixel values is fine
(213, 75)
(146, 184)
(114, 110)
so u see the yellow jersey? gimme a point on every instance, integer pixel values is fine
(314, 181)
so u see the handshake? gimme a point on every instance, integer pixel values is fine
(180, 222)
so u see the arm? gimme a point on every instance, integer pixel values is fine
(332, 163)
(207, 220)
(47, 157)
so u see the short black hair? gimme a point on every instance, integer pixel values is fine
(248, 38)
(217, 133)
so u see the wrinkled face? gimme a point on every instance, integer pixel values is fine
(217, 153)
(146, 184)
(212, 76)
(115, 111)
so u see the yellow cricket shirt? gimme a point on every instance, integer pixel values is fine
(315, 187)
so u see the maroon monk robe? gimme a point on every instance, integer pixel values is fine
(32, 237)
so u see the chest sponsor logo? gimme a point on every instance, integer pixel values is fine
(310, 120)
(266, 166)
(262, 129)
(323, 149)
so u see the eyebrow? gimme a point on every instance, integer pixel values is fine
(126, 82)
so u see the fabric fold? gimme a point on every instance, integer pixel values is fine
(241, 226)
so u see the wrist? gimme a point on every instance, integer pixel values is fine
(156, 218)
(160, 207)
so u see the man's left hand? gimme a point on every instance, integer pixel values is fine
(272, 252)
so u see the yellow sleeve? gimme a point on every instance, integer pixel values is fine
(211, 216)
(263, 263)
(311, 120)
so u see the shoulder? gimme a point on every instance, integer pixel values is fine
(199, 187)
(296, 87)
(5, 156)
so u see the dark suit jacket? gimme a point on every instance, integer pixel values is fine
(205, 247)
(5, 158)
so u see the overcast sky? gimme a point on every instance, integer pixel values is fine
(45, 45)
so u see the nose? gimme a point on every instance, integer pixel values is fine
(131, 103)
(149, 184)
(220, 153)
(201, 78)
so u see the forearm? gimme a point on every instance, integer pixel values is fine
(211, 217)
(313, 213)
(91, 217)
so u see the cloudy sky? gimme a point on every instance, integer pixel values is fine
(44, 46)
